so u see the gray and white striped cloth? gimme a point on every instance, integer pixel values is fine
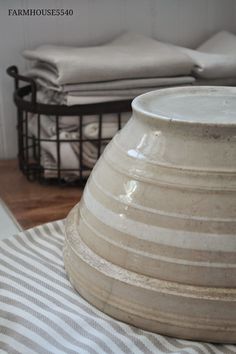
(42, 313)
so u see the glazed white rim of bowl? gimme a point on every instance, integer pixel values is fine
(151, 105)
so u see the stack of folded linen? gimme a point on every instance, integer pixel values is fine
(121, 69)
(127, 66)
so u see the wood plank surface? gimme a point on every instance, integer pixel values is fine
(32, 203)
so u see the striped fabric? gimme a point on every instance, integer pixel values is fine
(41, 313)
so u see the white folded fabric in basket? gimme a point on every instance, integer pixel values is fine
(72, 123)
(108, 130)
(51, 169)
(70, 151)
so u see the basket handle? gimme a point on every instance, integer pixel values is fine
(13, 72)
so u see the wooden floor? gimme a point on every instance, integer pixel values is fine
(31, 203)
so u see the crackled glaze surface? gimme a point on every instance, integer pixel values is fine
(153, 241)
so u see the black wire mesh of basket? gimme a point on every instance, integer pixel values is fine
(34, 161)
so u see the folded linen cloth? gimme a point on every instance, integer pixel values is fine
(45, 95)
(115, 93)
(215, 58)
(123, 84)
(130, 55)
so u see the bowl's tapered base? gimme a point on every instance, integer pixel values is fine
(173, 309)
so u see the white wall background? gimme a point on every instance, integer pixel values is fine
(185, 22)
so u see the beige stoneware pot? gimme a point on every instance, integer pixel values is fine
(153, 241)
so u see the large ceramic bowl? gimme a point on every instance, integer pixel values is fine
(153, 241)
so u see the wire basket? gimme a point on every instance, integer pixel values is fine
(51, 167)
